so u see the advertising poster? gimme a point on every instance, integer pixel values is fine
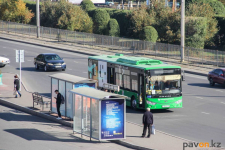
(91, 85)
(112, 119)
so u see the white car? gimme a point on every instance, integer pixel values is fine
(4, 61)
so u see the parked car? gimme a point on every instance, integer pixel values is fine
(4, 61)
(109, 3)
(216, 76)
(49, 61)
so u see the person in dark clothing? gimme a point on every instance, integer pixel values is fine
(156, 87)
(17, 85)
(147, 122)
(58, 103)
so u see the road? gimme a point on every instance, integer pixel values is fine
(201, 119)
(20, 131)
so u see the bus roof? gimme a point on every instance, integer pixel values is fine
(136, 62)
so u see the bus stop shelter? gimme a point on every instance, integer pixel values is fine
(64, 83)
(98, 114)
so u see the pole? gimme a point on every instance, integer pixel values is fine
(38, 18)
(20, 69)
(182, 29)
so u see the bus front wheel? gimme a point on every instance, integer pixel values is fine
(134, 103)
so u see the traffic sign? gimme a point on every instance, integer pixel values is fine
(20, 58)
(19, 55)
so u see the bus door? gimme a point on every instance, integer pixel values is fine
(111, 72)
(102, 73)
(141, 92)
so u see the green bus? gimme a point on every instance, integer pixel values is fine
(148, 83)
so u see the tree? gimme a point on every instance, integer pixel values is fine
(87, 5)
(196, 29)
(65, 16)
(149, 33)
(100, 19)
(15, 10)
(113, 28)
(204, 10)
(139, 19)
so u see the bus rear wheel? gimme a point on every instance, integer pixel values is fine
(134, 103)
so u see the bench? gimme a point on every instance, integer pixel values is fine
(39, 100)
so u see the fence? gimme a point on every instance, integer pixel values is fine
(193, 56)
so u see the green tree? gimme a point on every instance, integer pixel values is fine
(65, 16)
(113, 28)
(139, 19)
(206, 11)
(195, 29)
(100, 19)
(149, 33)
(87, 5)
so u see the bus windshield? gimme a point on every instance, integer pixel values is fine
(163, 84)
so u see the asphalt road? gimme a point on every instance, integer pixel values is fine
(201, 119)
(20, 131)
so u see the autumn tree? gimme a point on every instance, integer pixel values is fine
(15, 10)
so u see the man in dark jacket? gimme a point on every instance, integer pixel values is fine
(58, 103)
(147, 122)
(17, 85)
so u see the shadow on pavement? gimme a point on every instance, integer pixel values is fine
(217, 86)
(45, 94)
(34, 134)
(39, 70)
(154, 111)
(18, 117)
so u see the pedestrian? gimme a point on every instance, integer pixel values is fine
(147, 122)
(58, 103)
(17, 86)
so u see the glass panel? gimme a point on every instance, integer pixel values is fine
(134, 85)
(54, 87)
(86, 116)
(77, 117)
(69, 100)
(62, 90)
(95, 118)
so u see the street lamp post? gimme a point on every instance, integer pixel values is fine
(182, 29)
(38, 18)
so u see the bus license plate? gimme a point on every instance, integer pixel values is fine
(165, 106)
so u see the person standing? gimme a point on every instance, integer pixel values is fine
(147, 122)
(17, 86)
(58, 103)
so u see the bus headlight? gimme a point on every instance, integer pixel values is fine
(150, 103)
(177, 102)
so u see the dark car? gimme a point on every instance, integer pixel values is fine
(216, 76)
(49, 61)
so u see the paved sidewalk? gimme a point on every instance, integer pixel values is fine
(199, 69)
(160, 141)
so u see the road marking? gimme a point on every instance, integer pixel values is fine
(219, 90)
(199, 97)
(69, 69)
(205, 113)
(222, 102)
(3, 47)
(75, 61)
(28, 60)
(84, 72)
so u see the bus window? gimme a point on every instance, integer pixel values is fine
(134, 85)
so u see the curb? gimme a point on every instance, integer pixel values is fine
(84, 53)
